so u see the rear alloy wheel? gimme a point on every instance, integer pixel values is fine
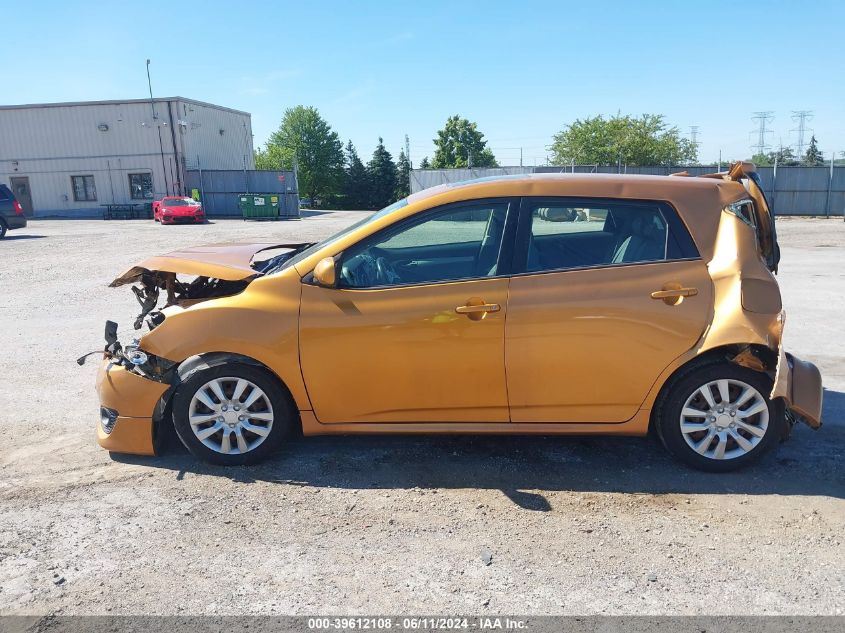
(231, 414)
(719, 418)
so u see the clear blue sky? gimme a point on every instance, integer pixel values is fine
(521, 70)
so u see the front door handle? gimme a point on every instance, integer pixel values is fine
(673, 294)
(476, 309)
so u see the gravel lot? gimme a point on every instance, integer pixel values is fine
(430, 525)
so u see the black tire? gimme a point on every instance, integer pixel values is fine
(3, 228)
(668, 409)
(282, 408)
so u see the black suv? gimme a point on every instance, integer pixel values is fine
(11, 211)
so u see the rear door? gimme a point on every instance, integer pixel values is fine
(614, 295)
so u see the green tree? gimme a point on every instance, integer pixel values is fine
(761, 160)
(425, 163)
(783, 157)
(381, 171)
(306, 139)
(813, 156)
(356, 181)
(403, 175)
(460, 144)
(269, 158)
(622, 140)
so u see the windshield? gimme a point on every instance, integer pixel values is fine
(179, 202)
(313, 248)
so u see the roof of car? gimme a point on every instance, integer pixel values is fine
(602, 185)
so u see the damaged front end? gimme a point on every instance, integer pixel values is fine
(133, 384)
(209, 272)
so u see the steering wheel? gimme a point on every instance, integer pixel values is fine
(386, 271)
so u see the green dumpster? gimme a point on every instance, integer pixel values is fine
(259, 206)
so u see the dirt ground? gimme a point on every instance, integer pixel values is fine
(433, 525)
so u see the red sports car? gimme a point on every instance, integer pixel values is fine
(173, 209)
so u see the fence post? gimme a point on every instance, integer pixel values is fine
(829, 185)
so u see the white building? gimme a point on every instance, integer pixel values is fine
(69, 159)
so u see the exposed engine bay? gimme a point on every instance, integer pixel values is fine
(177, 293)
(209, 272)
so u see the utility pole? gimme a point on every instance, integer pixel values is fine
(155, 122)
(801, 117)
(762, 132)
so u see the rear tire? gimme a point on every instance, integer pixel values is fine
(3, 228)
(718, 417)
(232, 414)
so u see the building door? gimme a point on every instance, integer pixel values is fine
(20, 187)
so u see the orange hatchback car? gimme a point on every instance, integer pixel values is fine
(553, 304)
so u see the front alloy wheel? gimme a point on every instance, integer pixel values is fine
(232, 414)
(717, 417)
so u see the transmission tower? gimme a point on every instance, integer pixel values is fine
(762, 132)
(801, 117)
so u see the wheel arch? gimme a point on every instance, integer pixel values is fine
(751, 355)
(193, 364)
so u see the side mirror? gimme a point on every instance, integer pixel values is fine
(325, 273)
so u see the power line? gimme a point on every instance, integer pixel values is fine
(762, 132)
(801, 117)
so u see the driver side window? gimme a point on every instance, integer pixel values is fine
(450, 244)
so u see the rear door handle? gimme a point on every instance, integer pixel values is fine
(673, 295)
(476, 309)
(675, 292)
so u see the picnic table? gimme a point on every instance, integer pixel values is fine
(126, 211)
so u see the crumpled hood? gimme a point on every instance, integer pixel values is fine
(230, 262)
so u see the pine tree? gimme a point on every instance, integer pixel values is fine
(356, 181)
(813, 157)
(403, 172)
(382, 177)
(425, 163)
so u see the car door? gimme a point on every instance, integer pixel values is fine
(609, 294)
(414, 330)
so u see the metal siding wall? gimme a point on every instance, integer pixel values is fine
(794, 191)
(50, 144)
(222, 188)
(205, 147)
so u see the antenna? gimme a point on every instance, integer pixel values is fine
(762, 132)
(801, 117)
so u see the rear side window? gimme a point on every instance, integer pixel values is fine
(5, 193)
(566, 233)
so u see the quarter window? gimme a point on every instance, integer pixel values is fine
(575, 234)
(83, 188)
(141, 186)
(445, 245)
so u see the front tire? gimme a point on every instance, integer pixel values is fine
(718, 417)
(232, 414)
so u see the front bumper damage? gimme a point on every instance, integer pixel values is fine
(134, 399)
